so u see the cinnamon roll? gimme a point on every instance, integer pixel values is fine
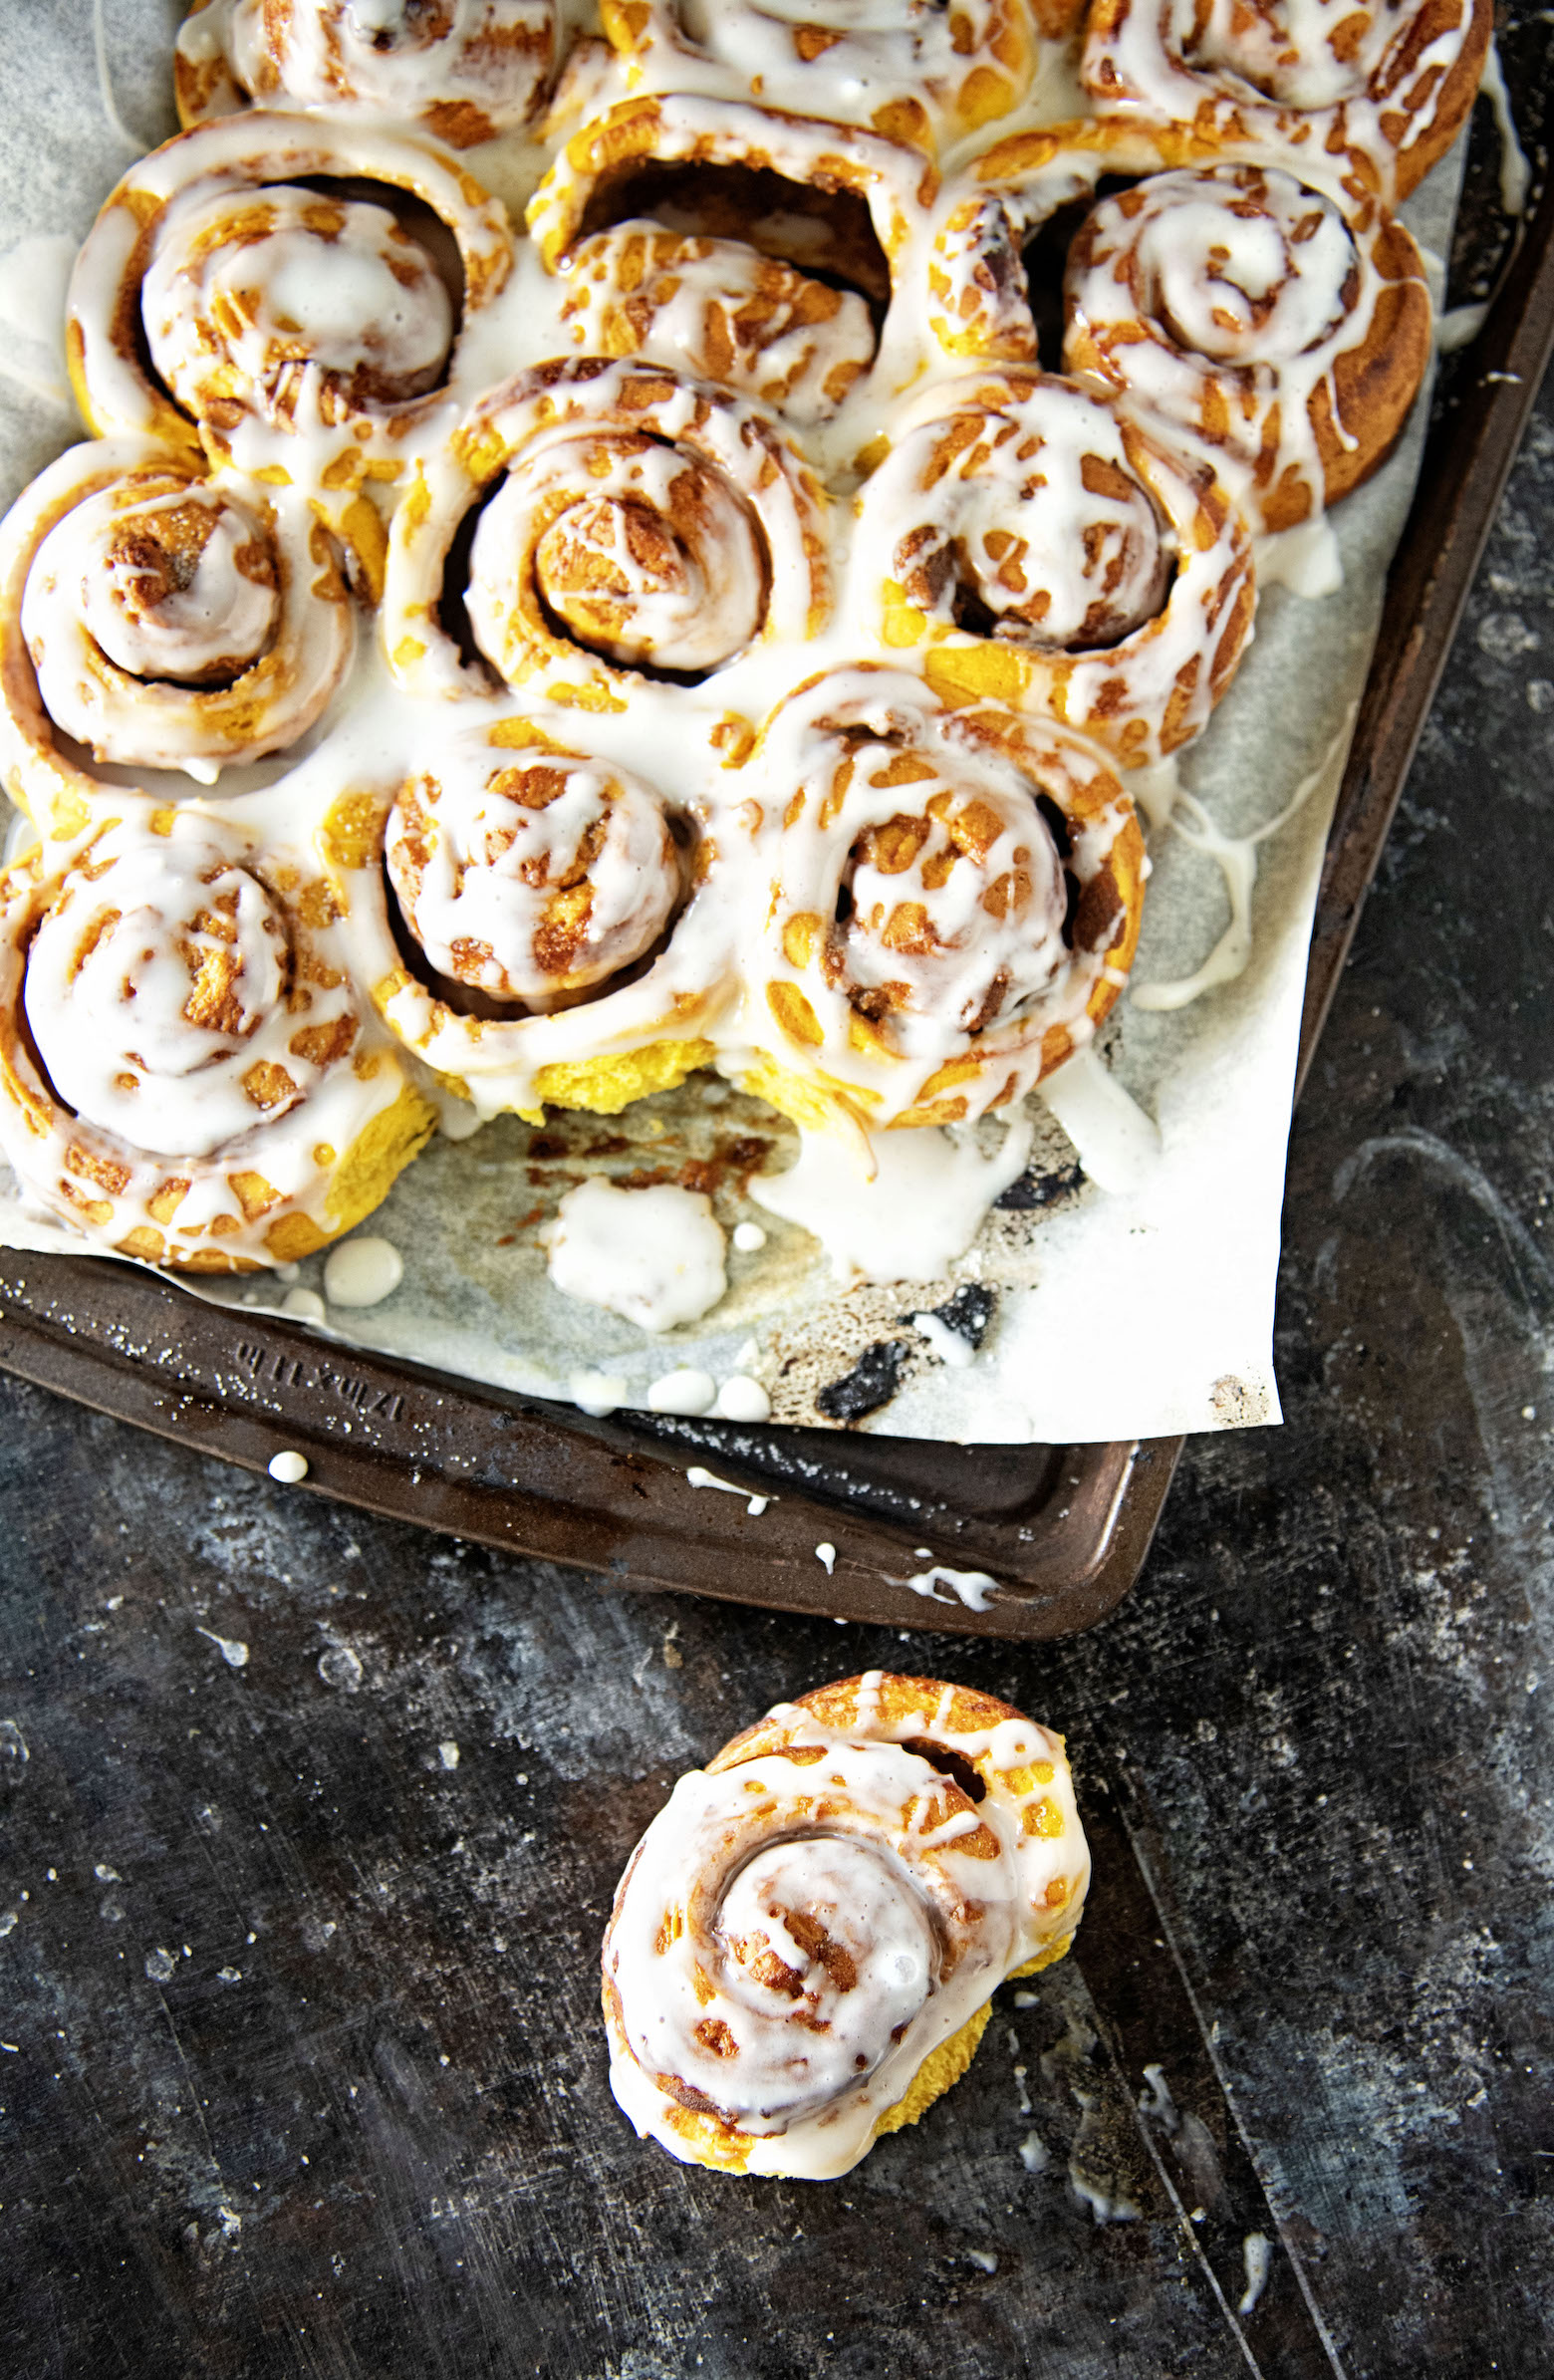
(916, 73)
(953, 904)
(1042, 547)
(465, 70)
(185, 1075)
(623, 520)
(1258, 328)
(533, 921)
(301, 334)
(864, 214)
(158, 619)
(805, 1945)
(1375, 93)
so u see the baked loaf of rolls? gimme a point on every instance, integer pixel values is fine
(805, 1945)
(714, 621)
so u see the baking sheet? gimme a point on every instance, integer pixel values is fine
(1143, 1307)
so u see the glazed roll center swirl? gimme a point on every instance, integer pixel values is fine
(532, 881)
(642, 553)
(826, 1934)
(246, 288)
(788, 1922)
(179, 586)
(1252, 275)
(1034, 515)
(154, 997)
(952, 913)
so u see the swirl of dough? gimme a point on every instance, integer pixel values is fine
(291, 297)
(1376, 93)
(540, 926)
(716, 310)
(865, 214)
(465, 70)
(953, 907)
(184, 1070)
(160, 620)
(803, 1945)
(630, 520)
(1239, 309)
(1043, 547)
(534, 881)
(302, 334)
(918, 73)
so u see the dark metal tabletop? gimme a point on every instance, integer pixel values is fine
(310, 1821)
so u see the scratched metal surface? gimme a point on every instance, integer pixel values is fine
(303, 2072)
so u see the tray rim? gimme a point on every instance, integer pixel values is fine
(684, 1543)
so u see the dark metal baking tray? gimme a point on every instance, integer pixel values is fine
(1063, 1530)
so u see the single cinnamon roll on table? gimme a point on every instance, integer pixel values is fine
(805, 1945)
(1239, 309)
(1040, 546)
(537, 924)
(156, 618)
(184, 1072)
(465, 70)
(953, 904)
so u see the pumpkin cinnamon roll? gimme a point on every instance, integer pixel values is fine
(915, 72)
(536, 924)
(154, 617)
(804, 1948)
(865, 217)
(1374, 94)
(1041, 546)
(953, 904)
(617, 520)
(304, 333)
(463, 70)
(184, 1072)
(1258, 328)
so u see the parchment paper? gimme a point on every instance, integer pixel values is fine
(1143, 1309)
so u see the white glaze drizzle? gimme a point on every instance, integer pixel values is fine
(920, 1211)
(1515, 171)
(975, 1588)
(1236, 858)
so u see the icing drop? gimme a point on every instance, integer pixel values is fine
(362, 1271)
(654, 1256)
